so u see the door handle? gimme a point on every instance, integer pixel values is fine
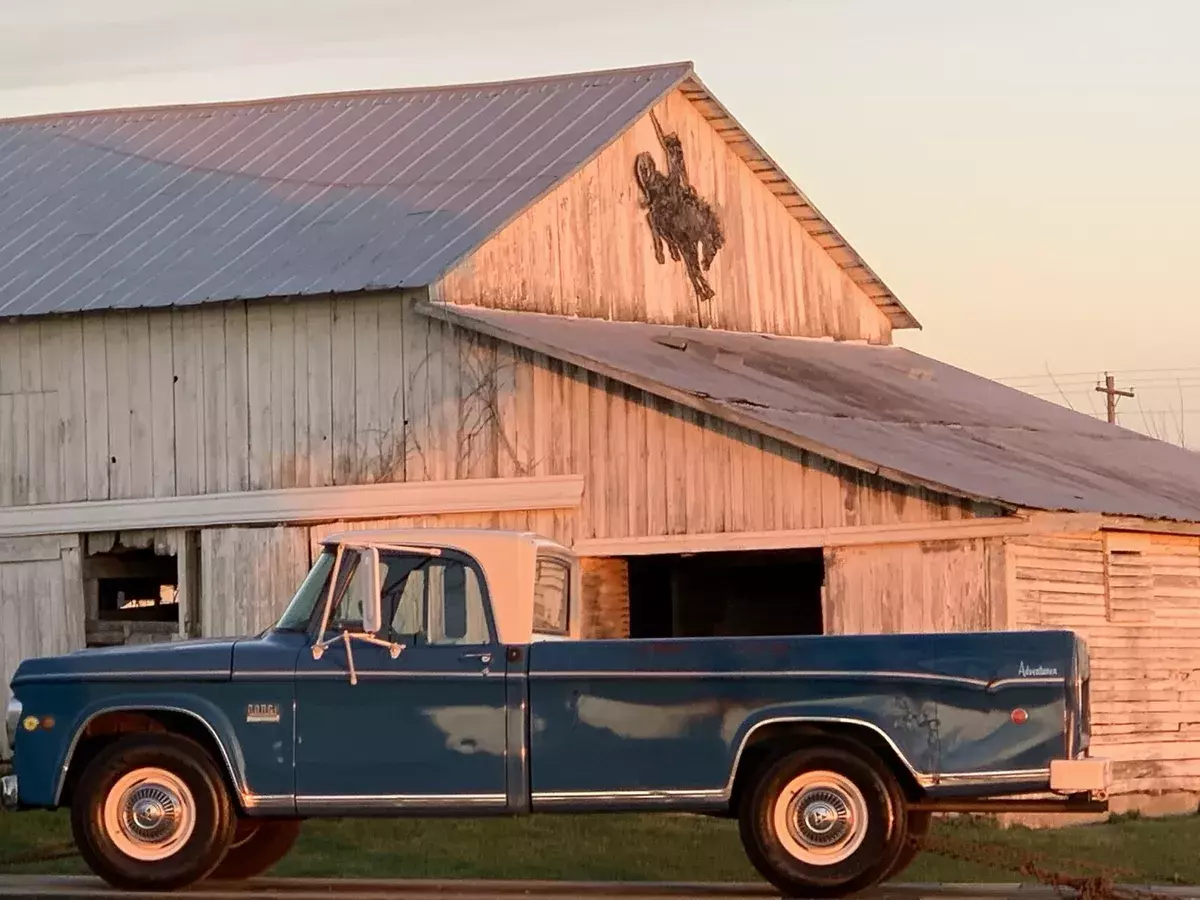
(485, 658)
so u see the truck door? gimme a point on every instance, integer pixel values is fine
(419, 731)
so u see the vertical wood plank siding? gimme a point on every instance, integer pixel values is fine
(278, 394)
(586, 250)
(247, 577)
(937, 586)
(41, 603)
(1136, 600)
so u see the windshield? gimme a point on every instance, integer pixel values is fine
(312, 591)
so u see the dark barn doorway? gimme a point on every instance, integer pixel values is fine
(736, 593)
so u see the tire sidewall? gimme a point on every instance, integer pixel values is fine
(214, 816)
(882, 844)
(267, 842)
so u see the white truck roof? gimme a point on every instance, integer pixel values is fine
(509, 563)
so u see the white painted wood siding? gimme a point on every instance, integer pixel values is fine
(1136, 600)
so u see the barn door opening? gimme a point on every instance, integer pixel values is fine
(734, 593)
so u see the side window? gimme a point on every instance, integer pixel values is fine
(425, 599)
(551, 597)
(455, 605)
(353, 587)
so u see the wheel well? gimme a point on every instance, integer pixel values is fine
(768, 743)
(107, 727)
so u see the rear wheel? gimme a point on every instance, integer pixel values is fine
(258, 844)
(151, 813)
(824, 822)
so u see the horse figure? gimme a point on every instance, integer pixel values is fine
(678, 217)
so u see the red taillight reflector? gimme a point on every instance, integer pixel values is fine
(1019, 717)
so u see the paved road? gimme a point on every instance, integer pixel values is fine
(32, 886)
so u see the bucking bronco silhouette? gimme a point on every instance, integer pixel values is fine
(678, 216)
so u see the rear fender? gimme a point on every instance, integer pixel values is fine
(909, 750)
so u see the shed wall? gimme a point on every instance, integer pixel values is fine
(41, 603)
(586, 249)
(1136, 600)
(936, 586)
(278, 394)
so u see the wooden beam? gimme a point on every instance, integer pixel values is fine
(955, 530)
(1152, 526)
(35, 549)
(297, 505)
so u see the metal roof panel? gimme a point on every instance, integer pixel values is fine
(880, 409)
(296, 196)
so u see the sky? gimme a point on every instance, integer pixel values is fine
(1023, 175)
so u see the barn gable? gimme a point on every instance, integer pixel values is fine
(587, 248)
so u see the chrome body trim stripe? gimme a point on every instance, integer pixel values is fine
(1015, 775)
(356, 802)
(827, 674)
(142, 707)
(572, 796)
(268, 802)
(140, 675)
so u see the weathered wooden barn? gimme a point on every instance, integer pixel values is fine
(588, 305)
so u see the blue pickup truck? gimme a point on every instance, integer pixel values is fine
(436, 672)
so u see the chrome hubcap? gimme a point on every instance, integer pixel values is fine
(149, 814)
(820, 818)
(823, 817)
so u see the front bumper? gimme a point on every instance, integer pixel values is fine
(1090, 775)
(9, 795)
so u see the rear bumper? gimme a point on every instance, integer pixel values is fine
(1081, 776)
(9, 795)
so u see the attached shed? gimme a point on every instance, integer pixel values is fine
(588, 305)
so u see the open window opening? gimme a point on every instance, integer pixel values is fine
(735, 593)
(133, 594)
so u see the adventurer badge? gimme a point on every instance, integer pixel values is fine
(1036, 671)
(262, 713)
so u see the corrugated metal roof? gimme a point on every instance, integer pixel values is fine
(880, 409)
(311, 195)
(307, 195)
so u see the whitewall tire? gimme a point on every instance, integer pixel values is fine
(824, 821)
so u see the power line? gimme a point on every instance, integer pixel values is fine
(1094, 372)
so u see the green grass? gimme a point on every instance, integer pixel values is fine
(647, 848)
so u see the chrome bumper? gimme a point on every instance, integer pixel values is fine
(9, 797)
(1079, 776)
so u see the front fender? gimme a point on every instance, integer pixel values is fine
(44, 757)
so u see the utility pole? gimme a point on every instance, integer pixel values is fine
(1110, 390)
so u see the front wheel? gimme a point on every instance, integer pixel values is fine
(824, 822)
(151, 813)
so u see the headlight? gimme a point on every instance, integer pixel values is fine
(12, 718)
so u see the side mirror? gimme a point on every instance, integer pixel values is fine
(372, 614)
